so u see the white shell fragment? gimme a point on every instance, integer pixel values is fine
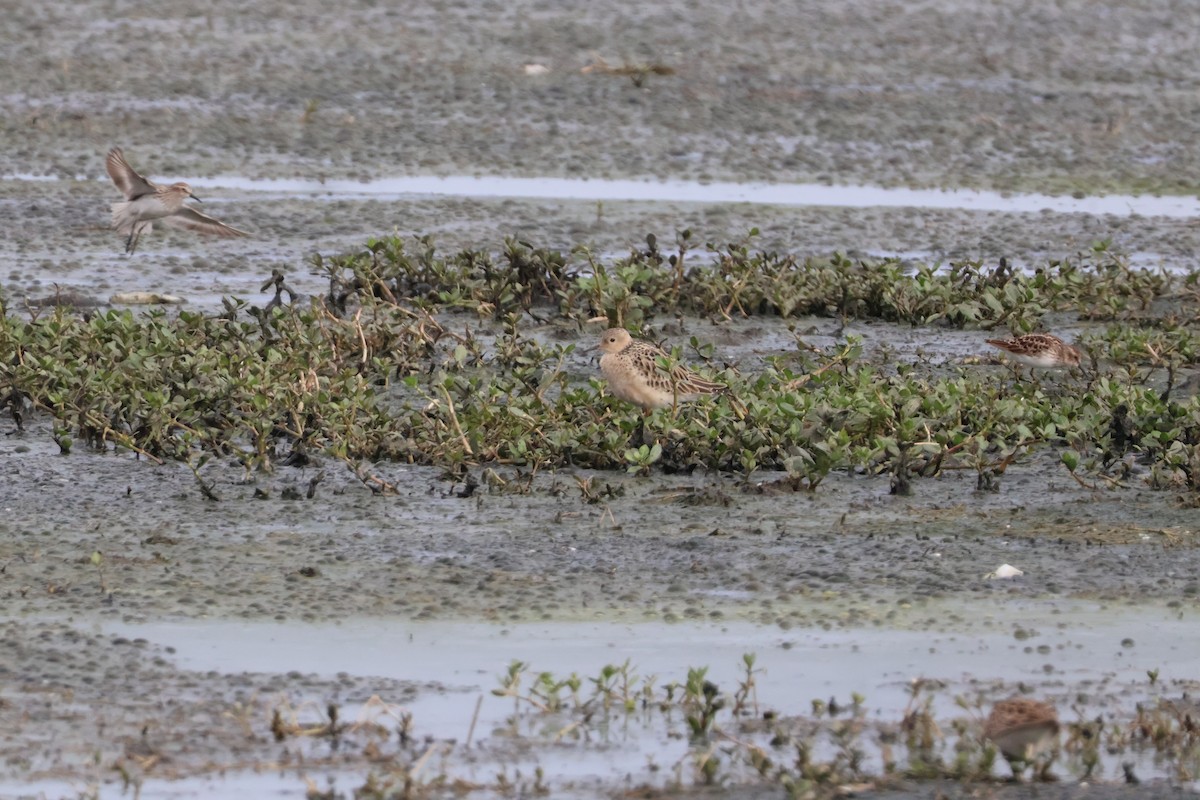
(1004, 571)
(536, 69)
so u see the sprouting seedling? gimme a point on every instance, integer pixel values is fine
(613, 685)
(548, 690)
(510, 683)
(708, 765)
(747, 687)
(703, 698)
(98, 560)
(641, 458)
(310, 110)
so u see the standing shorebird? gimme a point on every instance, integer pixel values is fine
(1022, 729)
(633, 374)
(145, 202)
(1039, 350)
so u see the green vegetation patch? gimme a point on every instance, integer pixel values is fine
(417, 357)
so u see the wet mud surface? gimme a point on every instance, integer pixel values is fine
(61, 243)
(939, 93)
(942, 94)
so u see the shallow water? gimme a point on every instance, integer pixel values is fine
(798, 194)
(1060, 640)
(1098, 654)
(650, 190)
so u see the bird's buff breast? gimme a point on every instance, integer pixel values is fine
(623, 383)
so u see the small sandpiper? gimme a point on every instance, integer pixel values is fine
(1039, 350)
(1022, 729)
(631, 369)
(145, 202)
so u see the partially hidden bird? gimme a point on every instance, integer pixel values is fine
(1023, 730)
(631, 368)
(1039, 350)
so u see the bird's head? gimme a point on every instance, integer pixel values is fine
(614, 340)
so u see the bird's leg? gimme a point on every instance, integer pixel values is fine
(135, 234)
(640, 435)
(1043, 769)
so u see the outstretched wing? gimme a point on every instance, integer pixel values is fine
(192, 220)
(131, 184)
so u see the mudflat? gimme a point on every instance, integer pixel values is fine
(102, 553)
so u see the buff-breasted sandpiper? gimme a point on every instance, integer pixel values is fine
(631, 369)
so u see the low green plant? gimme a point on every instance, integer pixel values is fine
(395, 364)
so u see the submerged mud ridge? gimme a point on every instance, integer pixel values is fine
(61, 683)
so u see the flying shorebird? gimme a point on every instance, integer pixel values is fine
(633, 374)
(146, 202)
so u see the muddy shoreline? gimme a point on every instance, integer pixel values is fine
(944, 94)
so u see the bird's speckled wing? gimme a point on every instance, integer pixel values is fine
(681, 380)
(1030, 344)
